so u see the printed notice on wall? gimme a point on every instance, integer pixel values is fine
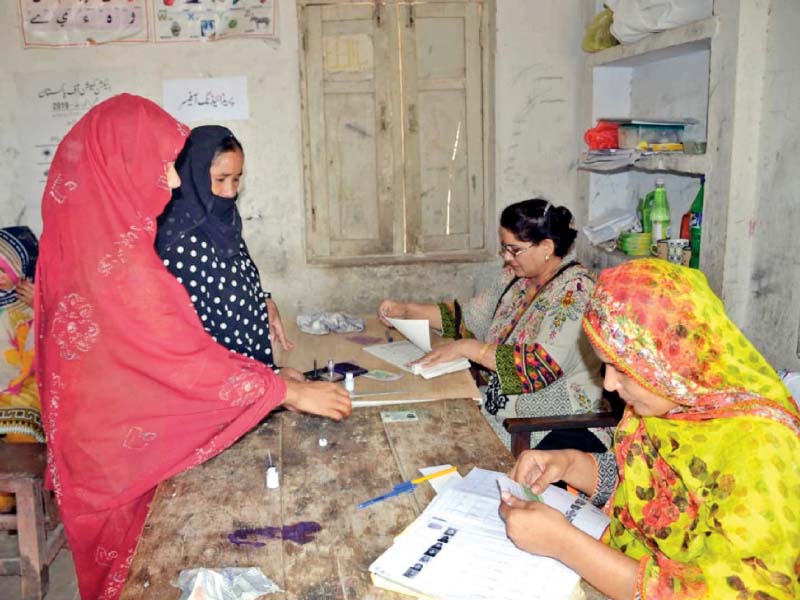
(210, 99)
(184, 20)
(48, 105)
(82, 22)
(350, 53)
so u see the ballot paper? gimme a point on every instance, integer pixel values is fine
(458, 547)
(416, 345)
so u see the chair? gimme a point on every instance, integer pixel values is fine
(520, 428)
(39, 530)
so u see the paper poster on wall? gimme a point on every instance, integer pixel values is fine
(48, 105)
(193, 20)
(349, 53)
(206, 100)
(82, 22)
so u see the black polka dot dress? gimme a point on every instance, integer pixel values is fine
(226, 293)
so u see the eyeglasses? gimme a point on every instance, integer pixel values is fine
(514, 252)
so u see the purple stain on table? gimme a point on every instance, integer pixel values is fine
(299, 533)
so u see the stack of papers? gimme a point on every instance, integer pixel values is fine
(417, 345)
(458, 548)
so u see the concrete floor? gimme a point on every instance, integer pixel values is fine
(63, 584)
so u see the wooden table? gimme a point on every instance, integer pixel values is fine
(193, 513)
(341, 348)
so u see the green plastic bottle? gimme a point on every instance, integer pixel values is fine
(695, 224)
(659, 214)
(645, 206)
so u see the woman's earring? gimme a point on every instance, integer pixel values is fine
(547, 257)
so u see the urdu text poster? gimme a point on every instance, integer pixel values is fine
(210, 99)
(82, 22)
(48, 105)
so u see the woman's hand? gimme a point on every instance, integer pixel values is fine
(318, 398)
(539, 468)
(25, 291)
(276, 329)
(534, 526)
(540, 529)
(448, 352)
(290, 374)
(390, 308)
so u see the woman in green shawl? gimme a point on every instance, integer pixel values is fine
(704, 478)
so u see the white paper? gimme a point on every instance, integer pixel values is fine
(440, 483)
(383, 402)
(417, 331)
(402, 354)
(458, 548)
(207, 99)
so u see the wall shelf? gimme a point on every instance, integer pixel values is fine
(658, 46)
(689, 164)
(686, 164)
(665, 76)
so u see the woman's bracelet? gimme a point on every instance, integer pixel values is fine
(482, 352)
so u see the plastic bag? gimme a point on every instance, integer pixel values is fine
(609, 226)
(598, 34)
(326, 322)
(224, 584)
(602, 136)
(635, 19)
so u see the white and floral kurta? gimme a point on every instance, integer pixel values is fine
(545, 364)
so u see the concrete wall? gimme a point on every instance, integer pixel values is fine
(537, 66)
(772, 302)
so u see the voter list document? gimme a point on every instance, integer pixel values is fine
(458, 548)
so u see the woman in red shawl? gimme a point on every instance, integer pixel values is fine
(133, 389)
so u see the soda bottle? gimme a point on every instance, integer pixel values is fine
(645, 206)
(659, 214)
(695, 224)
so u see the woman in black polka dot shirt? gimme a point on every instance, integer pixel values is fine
(200, 241)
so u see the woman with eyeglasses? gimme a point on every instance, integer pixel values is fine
(525, 330)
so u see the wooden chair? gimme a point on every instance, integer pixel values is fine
(520, 428)
(39, 530)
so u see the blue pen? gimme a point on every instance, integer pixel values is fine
(401, 488)
(406, 486)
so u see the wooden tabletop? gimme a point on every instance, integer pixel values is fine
(347, 347)
(193, 514)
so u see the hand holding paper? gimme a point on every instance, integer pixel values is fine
(534, 526)
(407, 354)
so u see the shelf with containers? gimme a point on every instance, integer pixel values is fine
(666, 76)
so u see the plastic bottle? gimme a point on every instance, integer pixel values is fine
(273, 479)
(659, 214)
(695, 224)
(645, 206)
(349, 382)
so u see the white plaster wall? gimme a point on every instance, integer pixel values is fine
(773, 302)
(537, 75)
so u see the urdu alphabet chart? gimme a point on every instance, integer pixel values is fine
(57, 23)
